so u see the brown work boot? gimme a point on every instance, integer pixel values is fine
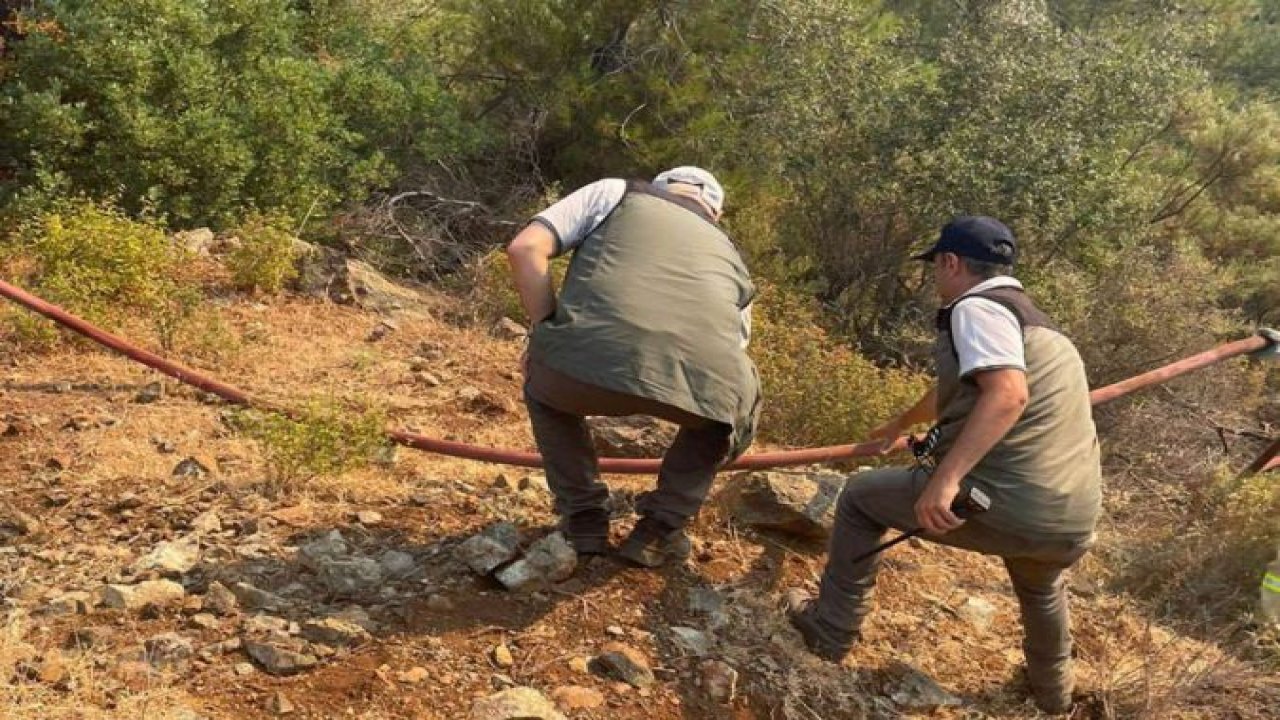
(820, 638)
(587, 531)
(1052, 698)
(1052, 701)
(653, 544)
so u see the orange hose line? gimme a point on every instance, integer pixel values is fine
(808, 456)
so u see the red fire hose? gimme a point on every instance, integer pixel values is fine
(756, 461)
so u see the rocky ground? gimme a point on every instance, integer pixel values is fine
(146, 568)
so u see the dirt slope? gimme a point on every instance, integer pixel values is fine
(86, 473)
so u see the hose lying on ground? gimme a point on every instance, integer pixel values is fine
(809, 456)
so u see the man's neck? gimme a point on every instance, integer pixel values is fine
(693, 193)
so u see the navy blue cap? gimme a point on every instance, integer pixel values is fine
(978, 237)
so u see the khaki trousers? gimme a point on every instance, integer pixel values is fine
(875, 501)
(557, 407)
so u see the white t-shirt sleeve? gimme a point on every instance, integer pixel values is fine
(987, 336)
(578, 213)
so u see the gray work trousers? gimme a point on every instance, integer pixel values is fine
(875, 501)
(557, 407)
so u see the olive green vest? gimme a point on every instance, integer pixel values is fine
(651, 306)
(1044, 476)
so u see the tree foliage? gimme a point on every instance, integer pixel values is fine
(1133, 146)
(201, 109)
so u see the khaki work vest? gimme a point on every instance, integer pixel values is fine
(651, 306)
(1044, 476)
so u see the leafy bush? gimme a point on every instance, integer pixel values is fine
(320, 440)
(490, 291)
(204, 108)
(1208, 567)
(817, 391)
(98, 263)
(265, 258)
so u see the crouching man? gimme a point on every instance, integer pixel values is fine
(653, 319)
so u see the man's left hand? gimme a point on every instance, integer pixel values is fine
(933, 508)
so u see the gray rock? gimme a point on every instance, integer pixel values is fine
(167, 650)
(506, 483)
(797, 503)
(71, 603)
(492, 548)
(624, 663)
(190, 468)
(357, 616)
(157, 593)
(690, 641)
(709, 602)
(204, 621)
(220, 600)
(151, 392)
(326, 273)
(171, 559)
(354, 576)
(918, 692)
(977, 612)
(277, 659)
(253, 598)
(632, 436)
(508, 329)
(330, 546)
(229, 645)
(266, 625)
(535, 483)
(397, 564)
(483, 402)
(719, 680)
(334, 632)
(207, 522)
(548, 560)
(518, 703)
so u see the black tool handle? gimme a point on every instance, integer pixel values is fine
(971, 501)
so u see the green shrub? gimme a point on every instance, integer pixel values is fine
(210, 338)
(98, 263)
(321, 440)
(265, 258)
(202, 108)
(1208, 567)
(490, 291)
(818, 391)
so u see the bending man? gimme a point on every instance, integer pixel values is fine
(653, 319)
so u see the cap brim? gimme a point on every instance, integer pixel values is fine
(926, 256)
